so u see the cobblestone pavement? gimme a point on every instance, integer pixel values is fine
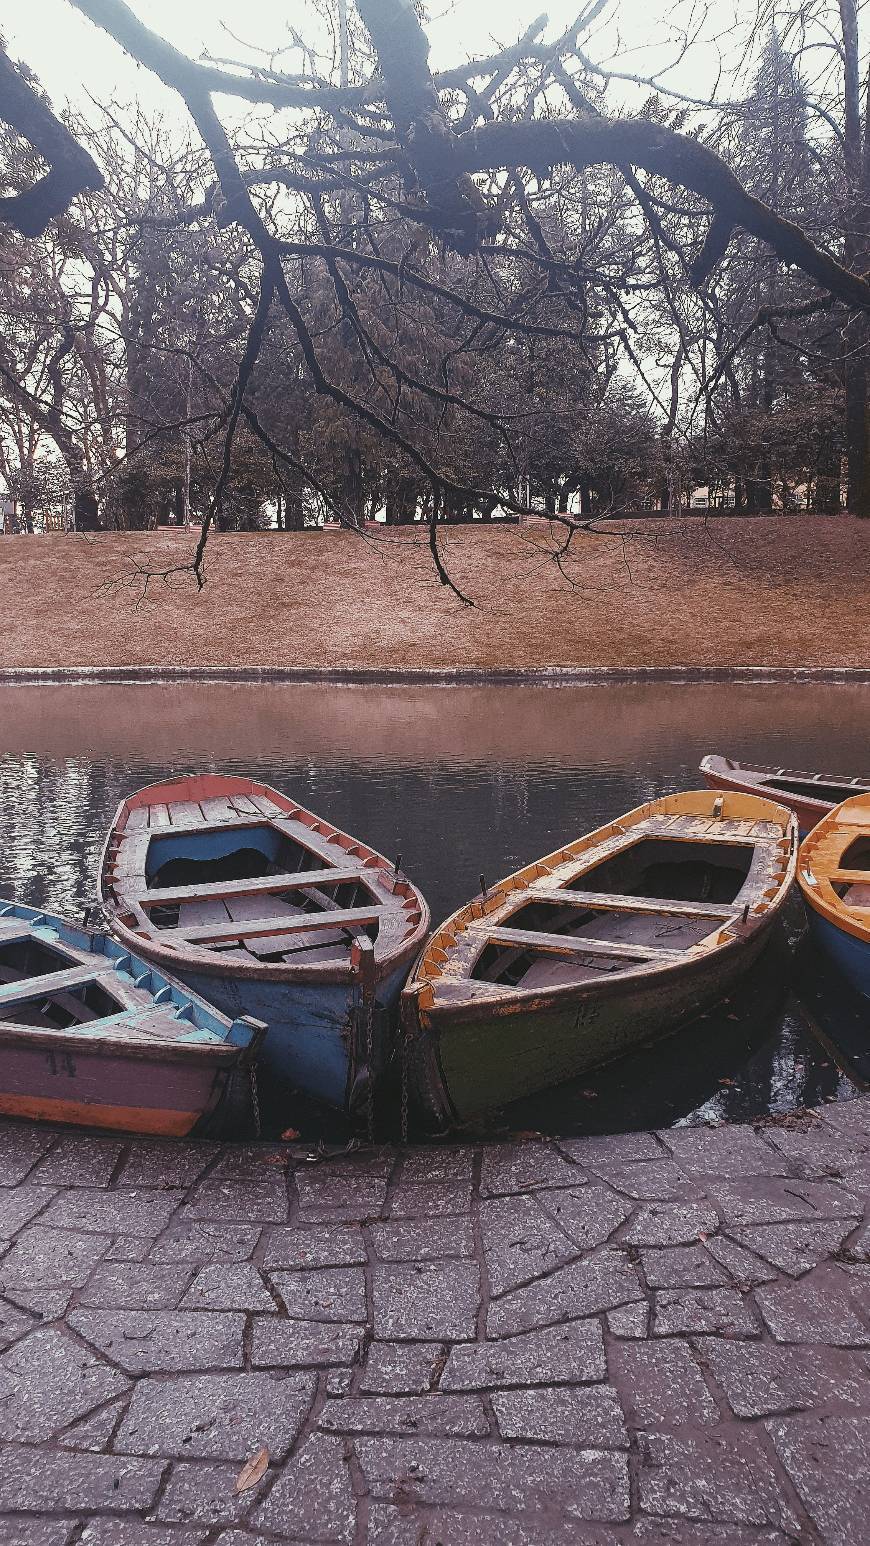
(649, 1338)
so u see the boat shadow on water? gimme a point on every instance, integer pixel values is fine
(789, 1037)
(838, 1015)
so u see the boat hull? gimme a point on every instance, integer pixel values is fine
(463, 1064)
(834, 878)
(849, 953)
(609, 942)
(134, 1053)
(316, 1039)
(237, 890)
(86, 1086)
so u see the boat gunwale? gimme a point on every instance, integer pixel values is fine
(516, 999)
(153, 1049)
(211, 963)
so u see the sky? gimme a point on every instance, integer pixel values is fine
(73, 58)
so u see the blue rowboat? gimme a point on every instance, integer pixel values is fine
(91, 1035)
(834, 877)
(268, 910)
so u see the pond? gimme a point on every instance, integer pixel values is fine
(463, 781)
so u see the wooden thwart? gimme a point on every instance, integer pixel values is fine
(351, 918)
(266, 885)
(567, 944)
(612, 901)
(29, 988)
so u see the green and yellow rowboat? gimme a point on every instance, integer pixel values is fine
(608, 942)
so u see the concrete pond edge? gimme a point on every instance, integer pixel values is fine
(436, 675)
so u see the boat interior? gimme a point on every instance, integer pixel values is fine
(812, 788)
(200, 877)
(847, 881)
(56, 992)
(245, 878)
(634, 897)
(56, 977)
(681, 893)
(673, 870)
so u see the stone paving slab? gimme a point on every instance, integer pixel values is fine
(655, 1338)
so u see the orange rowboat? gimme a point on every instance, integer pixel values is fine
(834, 877)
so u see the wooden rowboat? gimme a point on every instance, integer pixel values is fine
(92, 1036)
(834, 877)
(606, 943)
(809, 795)
(268, 910)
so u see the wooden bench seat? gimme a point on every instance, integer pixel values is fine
(567, 944)
(612, 902)
(350, 918)
(261, 885)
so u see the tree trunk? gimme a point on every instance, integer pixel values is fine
(856, 159)
(86, 511)
(758, 492)
(857, 439)
(354, 498)
(827, 499)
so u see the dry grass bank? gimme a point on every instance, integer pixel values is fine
(699, 592)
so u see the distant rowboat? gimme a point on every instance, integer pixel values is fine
(809, 795)
(834, 877)
(266, 909)
(92, 1036)
(607, 943)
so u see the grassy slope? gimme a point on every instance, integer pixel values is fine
(723, 591)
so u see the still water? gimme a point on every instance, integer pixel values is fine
(464, 780)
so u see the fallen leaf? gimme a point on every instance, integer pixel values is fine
(726, 1081)
(289, 1135)
(252, 1470)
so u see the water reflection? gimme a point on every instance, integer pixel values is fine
(458, 780)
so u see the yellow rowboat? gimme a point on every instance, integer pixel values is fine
(834, 877)
(608, 942)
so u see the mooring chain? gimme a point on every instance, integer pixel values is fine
(255, 1100)
(370, 1087)
(404, 1095)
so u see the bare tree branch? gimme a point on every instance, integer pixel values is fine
(71, 170)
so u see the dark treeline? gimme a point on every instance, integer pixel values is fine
(598, 345)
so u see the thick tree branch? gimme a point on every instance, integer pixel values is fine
(544, 143)
(71, 170)
(443, 160)
(421, 123)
